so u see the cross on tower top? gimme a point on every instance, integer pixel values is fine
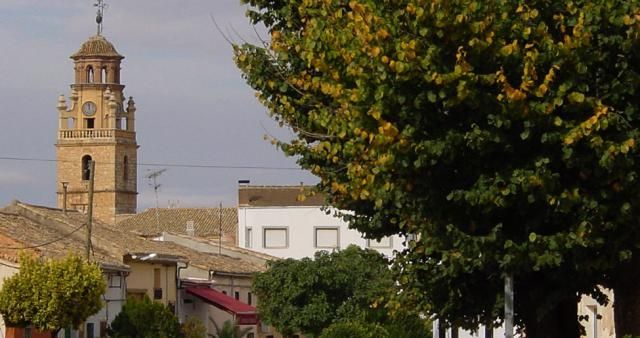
(101, 6)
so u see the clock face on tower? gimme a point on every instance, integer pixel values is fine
(89, 108)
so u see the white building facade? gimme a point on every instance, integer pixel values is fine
(278, 221)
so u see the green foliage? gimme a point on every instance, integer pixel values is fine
(502, 132)
(355, 330)
(230, 330)
(145, 319)
(308, 295)
(52, 294)
(193, 328)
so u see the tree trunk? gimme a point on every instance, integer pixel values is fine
(54, 333)
(626, 294)
(560, 322)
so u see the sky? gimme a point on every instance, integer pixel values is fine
(193, 107)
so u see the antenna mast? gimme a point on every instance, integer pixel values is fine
(153, 176)
(101, 6)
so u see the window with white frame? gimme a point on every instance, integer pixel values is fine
(248, 237)
(327, 238)
(383, 243)
(275, 238)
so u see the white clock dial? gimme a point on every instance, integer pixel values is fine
(89, 108)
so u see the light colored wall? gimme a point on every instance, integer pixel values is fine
(194, 272)
(603, 327)
(7, 269)
(301, 223)
(142, 278)
(114, 298)
(233, 284)
(497, 332)
(194, 307)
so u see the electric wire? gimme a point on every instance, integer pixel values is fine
(170, 165)
(45, 243)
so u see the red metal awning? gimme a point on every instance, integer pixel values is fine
(245, 314)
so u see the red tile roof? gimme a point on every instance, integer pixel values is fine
(245, 314)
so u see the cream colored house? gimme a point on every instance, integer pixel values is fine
(154, 275)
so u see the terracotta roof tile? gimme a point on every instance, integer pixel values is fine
(206, 222)
(97, 46)
(18, 232)
(267, 196)
(110, 243)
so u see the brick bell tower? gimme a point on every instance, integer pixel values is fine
(97, 126)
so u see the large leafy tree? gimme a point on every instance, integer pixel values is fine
(52, 294)
(348, 329)
(503, 132)
(145, 319)
(309, 295)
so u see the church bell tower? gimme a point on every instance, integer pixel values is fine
(97, 124)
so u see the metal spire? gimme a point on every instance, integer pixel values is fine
(101, 6)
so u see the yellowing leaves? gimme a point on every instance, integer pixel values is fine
(576, 97)
(388, 129)
(375, 51)
(382, 33)
(338, 187)
(509, 49)
(508, 92)
(627, 145)
(627, 20)
(385, 159)
(585, 128)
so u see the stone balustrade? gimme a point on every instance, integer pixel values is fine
(72, 134)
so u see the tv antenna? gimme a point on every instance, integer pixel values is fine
(101, 7)
(153, 181)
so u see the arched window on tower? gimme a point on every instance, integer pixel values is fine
(103, 75)
(125, 169)
(90, 74)
(86, 167)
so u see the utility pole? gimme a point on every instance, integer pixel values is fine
(220, 232)
(508, 306)
(92, 171)
(65, 185)
(154, 177)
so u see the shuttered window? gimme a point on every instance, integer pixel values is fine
(275, 238)
(327, 238)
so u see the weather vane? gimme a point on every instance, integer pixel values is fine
(101, 6)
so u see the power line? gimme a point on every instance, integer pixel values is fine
(172, 165)
(46, 243)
